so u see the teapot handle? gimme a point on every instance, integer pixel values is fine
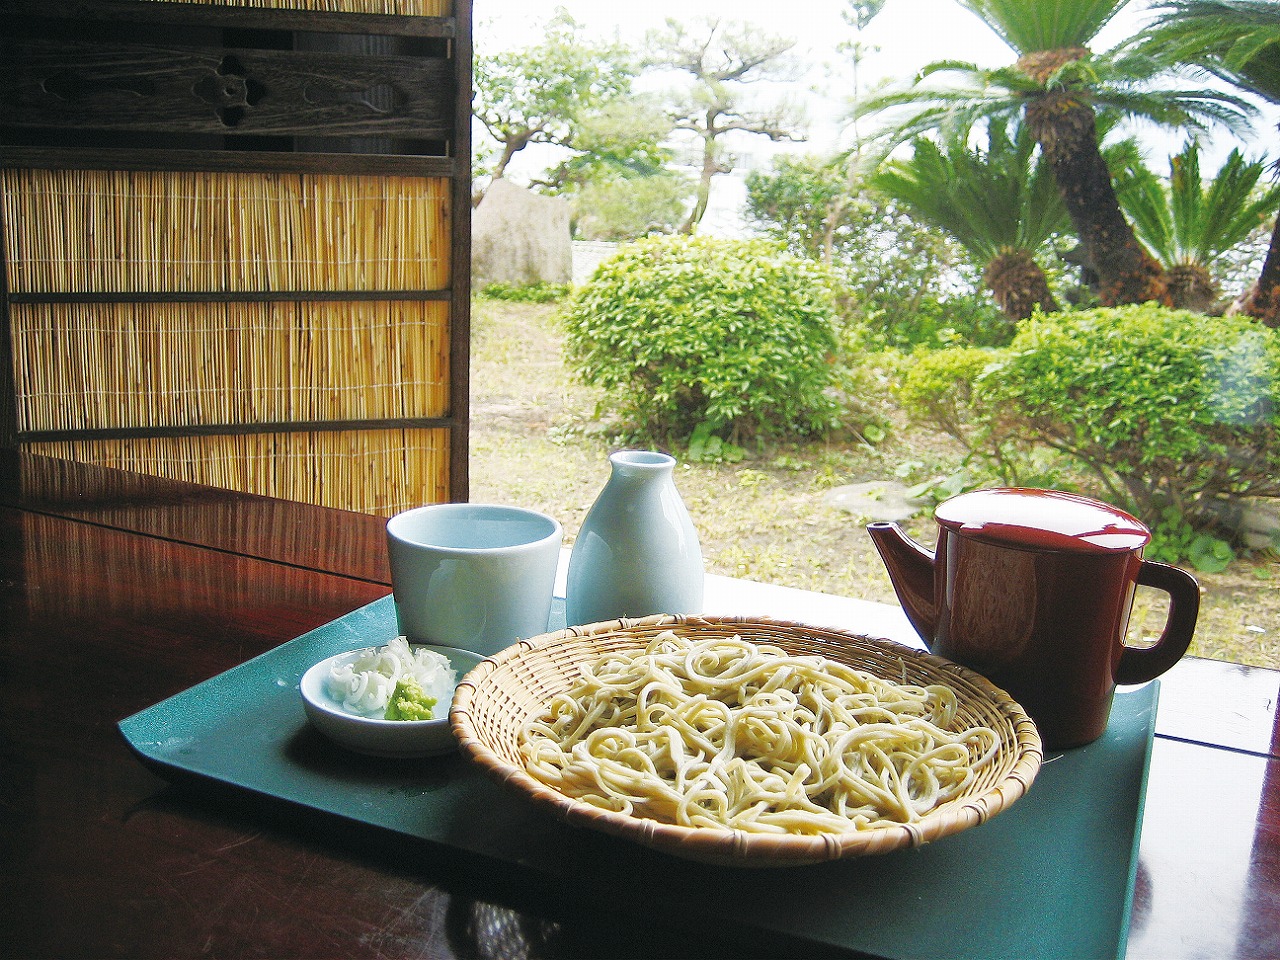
(1140, 664)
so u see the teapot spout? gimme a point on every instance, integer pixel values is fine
(910, 569)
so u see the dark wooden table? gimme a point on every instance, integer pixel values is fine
(118, 590)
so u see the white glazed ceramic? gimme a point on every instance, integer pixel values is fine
(637, 553)
(473, 575)
(380, 738)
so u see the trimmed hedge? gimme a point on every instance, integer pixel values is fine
(1174, 411)
(734, 336)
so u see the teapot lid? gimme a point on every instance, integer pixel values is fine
(1042, 520)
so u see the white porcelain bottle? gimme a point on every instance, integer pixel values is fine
(637, 552)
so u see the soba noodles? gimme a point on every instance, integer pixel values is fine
(726, 733)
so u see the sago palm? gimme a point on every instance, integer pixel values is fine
(1190, 225)
(1238, 41)
(1059, 87)
(998, 203)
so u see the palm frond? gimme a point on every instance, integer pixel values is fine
(989, 200)
(906, 114)
(1196, 109)
(1144, 200)
(1033, 27)
(1185, 220)
(1237, 40)
(948, 96)
(1187, 202)
(951, 95)
(1234, 206)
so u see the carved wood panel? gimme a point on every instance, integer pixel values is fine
(60, 84)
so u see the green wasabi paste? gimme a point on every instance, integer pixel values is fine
(410, 702)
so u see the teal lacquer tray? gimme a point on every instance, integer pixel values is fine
(1052, 876)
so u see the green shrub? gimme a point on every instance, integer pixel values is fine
(526, 293)
(937, 386)
(931, 321)
(940, 387)
(735, 337)
(902, 278)
(1174, 411)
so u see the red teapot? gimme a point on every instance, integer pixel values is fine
(1033, 589)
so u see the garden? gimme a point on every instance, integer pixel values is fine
(993, 284)
(537, 439)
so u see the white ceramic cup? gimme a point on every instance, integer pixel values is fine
(473, 575)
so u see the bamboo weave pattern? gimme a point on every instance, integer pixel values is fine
(105, 366)
(370, 471)
(163, 231)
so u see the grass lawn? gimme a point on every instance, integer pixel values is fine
(536, 442)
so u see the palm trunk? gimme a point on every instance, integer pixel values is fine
(1263, 301)
(1192, 287)
(1019, 285)
(1068, 135)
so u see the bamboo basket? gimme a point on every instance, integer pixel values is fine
(494, 701)
(369, 471)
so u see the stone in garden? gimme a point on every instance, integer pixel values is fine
(875, 500)
(520, 238)
(1255, 520)
(1260, 523)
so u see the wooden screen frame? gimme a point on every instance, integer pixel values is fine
(417, 133)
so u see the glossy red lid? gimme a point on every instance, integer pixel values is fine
(1042, 520)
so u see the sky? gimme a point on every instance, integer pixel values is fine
(816, 25)
(903, 37)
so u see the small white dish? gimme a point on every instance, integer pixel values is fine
(374, 736)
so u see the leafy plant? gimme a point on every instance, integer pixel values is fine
(1173, 413)
(944, 486)
(722, 61)
(526, 293)
(937, 386)
(1171, 410)
(996, 200)
(624, 208)
(733, 337)
(905, 282)
(1238, 41)
(706, 447)
(553, 92)
(1060, 88)
(1174, 539)
(1191, 226)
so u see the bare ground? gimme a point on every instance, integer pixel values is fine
(536, 442)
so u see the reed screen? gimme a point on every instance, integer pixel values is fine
(102, 366)
(133, 231)
(369, 471)
(403, 8)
